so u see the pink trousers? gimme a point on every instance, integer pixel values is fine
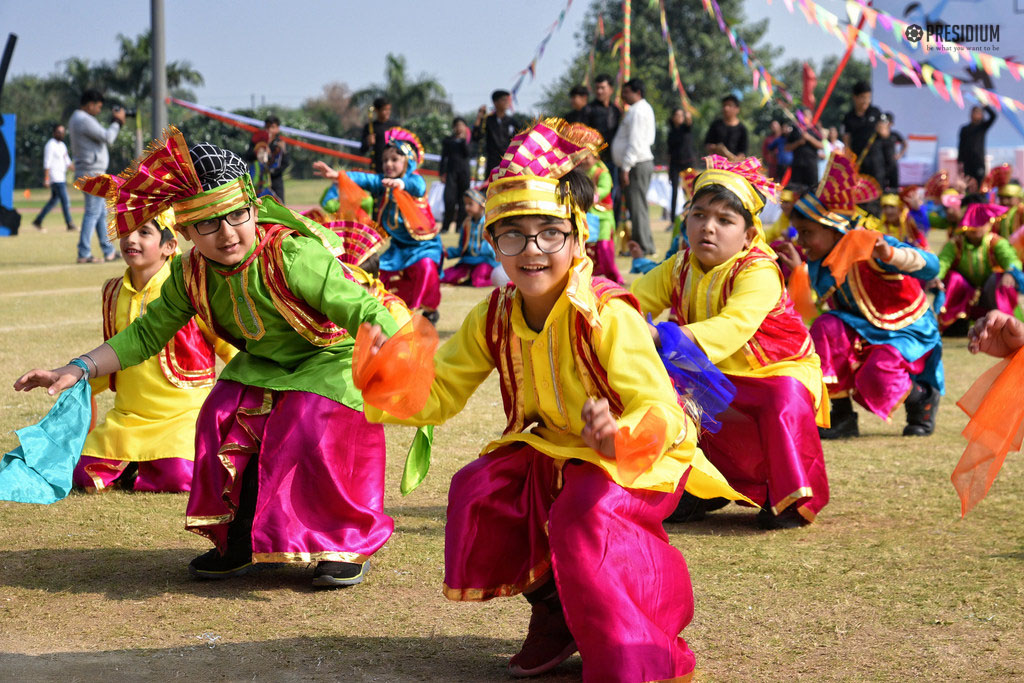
(419, 285)
(877, 376)
(768, 447)
(625, 590)
(964, 300)
(320, 468)
(167, 475)
(477, 275)
(602, 253)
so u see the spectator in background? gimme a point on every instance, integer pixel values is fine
(454, 172)
(603, 115)
(860, 133)
(56, 163)
(727, 136)
(373, 133)
(804, 142)
(578, 101)
(631, 150)
(830, 144)
(971, 157)
(894, 146)
(495, 131)
(267, 157)
(90, 156)
(680, 152)
(783, 154)
(769, 157)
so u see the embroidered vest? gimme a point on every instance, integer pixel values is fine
(890, 301)
(310, 323)
(187, 361)
(506, 349)
(781, 337)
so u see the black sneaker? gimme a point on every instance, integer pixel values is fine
(788, 519)
(921, 405)
(843, 427)
(694, 509)
(432, 317)
(213, 565)
(332, 574)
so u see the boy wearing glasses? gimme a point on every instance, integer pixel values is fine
(286, 467)
(545, 510)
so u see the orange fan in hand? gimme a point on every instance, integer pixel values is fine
(855, 246)
(800, 293)
(637, 449)
(397, 378)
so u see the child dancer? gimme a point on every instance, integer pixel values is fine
(727, 293)
(967, 269)
(411, 265)
(286, 467)
(147, 441)
(602, 250)
(476, 257)
(897, 221)
(879, 343)
(545, 510)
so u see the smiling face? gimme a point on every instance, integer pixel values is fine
(474, 209)
(538, 276)
(142, 250)
(228, 244)
(716, 232)
(394, 163)
(814, 238)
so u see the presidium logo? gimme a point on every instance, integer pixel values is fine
(952, 36)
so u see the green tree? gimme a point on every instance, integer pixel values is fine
(710, 68)
(409, 97)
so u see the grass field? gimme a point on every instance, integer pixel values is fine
(889, 584)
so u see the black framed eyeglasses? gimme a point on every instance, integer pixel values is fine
(208, 226)
(513, 243)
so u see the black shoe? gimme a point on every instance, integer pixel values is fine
(331, 574)
(694, 509)
(213, 565)
(37, 224)
(788, 519)
(843, 427)
(72, 228)
(921, 405)
(432, 317)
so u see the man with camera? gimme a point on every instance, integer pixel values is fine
(89, 140)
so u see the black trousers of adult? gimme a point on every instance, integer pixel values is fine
(456, 183)
(806, 175)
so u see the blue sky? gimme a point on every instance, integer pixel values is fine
(284, 52)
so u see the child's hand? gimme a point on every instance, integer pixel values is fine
(599, 427)
(322, 170)
(56, 380)
(393, 183)
(997, 334)
(883, 250)
(377, 337)
(788, 255)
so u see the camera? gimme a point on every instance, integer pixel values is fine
(130, 113)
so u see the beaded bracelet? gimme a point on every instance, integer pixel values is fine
(79, 363)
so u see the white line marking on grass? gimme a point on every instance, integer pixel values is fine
(49, 325)
(46, 292)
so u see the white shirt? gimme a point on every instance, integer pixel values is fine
(633, 141)
(56, 160)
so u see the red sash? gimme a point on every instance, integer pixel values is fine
(187, 361)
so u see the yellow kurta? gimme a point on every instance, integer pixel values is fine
(151, 418)
(553, 394)
(723, 330)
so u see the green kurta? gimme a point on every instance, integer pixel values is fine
(275, 356)
(975, 263)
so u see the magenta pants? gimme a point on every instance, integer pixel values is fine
(477, 275)
(602, 253)
(419, 285)
(877, 376)
(964, 300)
(625, 590)
(320, 474)
(167, 475)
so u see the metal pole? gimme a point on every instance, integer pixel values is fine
(159, 67)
